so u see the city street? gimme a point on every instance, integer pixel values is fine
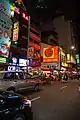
(59, 101)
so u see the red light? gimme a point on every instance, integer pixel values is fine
(26, 101)
(16, 10)
(36, 46)
(24, 16)
(35, 37)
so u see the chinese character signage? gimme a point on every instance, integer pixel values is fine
(31, 52)
(16, 31)
(68, 58)
(77, 58)
(51, 54)
(5, 28)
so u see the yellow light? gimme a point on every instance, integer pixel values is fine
(12, 7)
(64, 64)
(19, 1)
(68, 57)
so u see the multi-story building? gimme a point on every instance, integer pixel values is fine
(25, 45)
(66, 32)
(67, 38)
(34, 45)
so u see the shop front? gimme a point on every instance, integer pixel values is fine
(71, 61)
(63, 60)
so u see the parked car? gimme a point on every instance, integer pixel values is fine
(14, 107)
(23, 81)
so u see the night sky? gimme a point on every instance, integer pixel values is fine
(69, 8)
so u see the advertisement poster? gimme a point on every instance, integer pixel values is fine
(34, 63)
(51, 54)
(30, 52)
(5, 28)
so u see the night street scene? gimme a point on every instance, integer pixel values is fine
(39, 60)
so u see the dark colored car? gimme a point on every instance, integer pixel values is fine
(14, 107)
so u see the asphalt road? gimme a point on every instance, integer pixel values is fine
(59, 101)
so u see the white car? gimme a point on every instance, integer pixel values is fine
(18, 81)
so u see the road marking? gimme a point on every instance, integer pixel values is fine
(63, 87)
(35, 99)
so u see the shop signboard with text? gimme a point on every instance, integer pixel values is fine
(16, 31)
(51, 54)
(5, 28)
(34, 62)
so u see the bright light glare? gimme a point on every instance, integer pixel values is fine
(72, 47)
(12, 13)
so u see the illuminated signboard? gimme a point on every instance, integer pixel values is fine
(77, 58)
(17, 10)
(5, 28)
(2, 60)
(68, 58)
(34, 62)
(16, 31)
(24, 16)
(51, 54)
(36, 46)
(23, 63)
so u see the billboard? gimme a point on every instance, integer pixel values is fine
(51, 54)
(5, 28)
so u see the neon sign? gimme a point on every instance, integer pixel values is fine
(24, 16)
(17, 10)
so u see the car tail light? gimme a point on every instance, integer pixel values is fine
(26, 101)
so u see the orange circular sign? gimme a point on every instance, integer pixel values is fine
(48, 52)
